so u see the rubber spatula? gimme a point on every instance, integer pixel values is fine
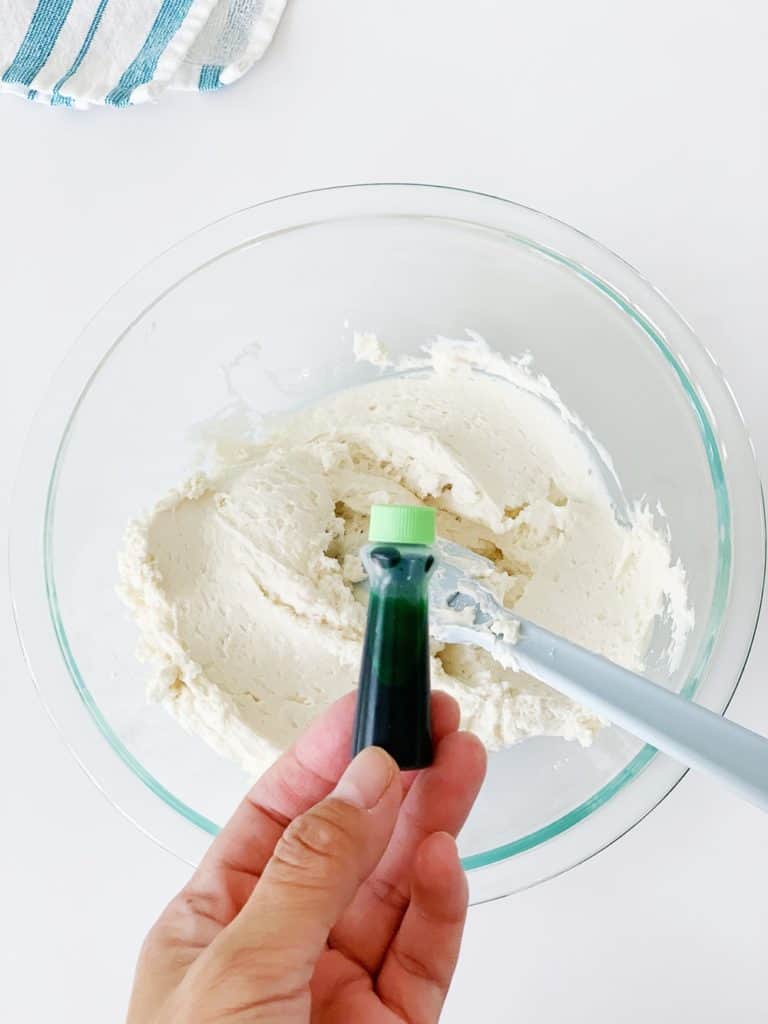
(463, 611)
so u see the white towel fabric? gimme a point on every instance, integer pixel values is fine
(116, 52)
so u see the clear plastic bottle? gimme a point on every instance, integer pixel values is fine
(394, 689)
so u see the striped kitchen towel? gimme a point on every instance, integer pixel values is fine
(79, 52)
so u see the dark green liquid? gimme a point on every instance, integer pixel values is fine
(393, 698)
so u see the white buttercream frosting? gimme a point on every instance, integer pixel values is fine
(241, 581)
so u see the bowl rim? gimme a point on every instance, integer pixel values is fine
(698, 400)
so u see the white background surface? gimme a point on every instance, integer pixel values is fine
(644, 127)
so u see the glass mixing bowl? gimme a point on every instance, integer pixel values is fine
(123, 420)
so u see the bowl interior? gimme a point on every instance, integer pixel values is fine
(269, 321)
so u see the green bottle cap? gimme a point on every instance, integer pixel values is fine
(402, 524)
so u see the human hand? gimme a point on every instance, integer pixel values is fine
(332, 896)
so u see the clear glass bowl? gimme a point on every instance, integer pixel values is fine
(122, 422)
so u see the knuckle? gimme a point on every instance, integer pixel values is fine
(416, 966)
(318, 838)
(389, 894)
(196, 903)
(191, 920)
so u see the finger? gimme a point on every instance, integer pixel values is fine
(420, 962)
(314, 872)
(439, 801)
(301, 777)
(225, 878)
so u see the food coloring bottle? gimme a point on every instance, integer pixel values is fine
(393, 694)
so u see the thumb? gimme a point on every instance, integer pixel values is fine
(319, 863)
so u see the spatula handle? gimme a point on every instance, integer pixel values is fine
(686, 731)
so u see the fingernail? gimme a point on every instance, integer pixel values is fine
(366, 779)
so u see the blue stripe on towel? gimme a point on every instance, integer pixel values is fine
(39, 41)
(141, 70)
(56, 99)
(209, 77)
